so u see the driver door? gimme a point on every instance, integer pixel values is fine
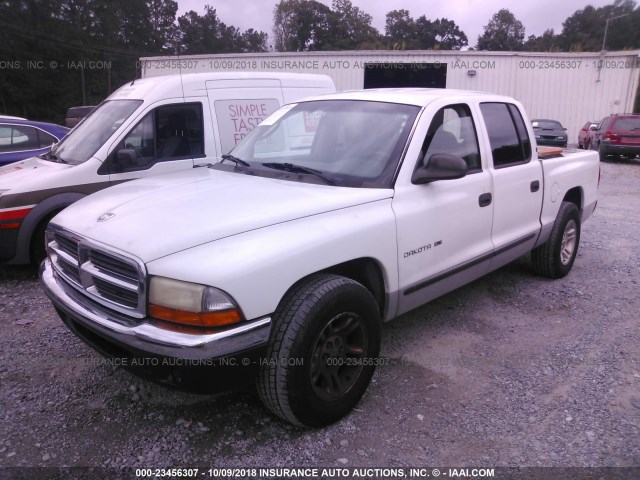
(444, 227)
(167, 139)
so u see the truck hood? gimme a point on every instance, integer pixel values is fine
(157, 216)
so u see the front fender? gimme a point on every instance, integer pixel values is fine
(258, 267)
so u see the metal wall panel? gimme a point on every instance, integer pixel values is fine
(570, 87)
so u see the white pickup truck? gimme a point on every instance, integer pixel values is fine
(334, 215)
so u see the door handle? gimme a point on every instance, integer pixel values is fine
(535, 186)
(484, 199)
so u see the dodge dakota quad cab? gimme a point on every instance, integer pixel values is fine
(147, 127)
(334, 215)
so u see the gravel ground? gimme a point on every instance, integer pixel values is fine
(511, 370)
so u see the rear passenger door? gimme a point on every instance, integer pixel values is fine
(517, 182)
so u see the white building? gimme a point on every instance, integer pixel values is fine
(570, 87)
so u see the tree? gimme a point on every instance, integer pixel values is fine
(208, 34)
(350, 27)
(401, 30)
(162, 20)
(252, 41)
(446, 35)
(503, 33)
(547, 42)
(423, 34)
(301, 25)
(584, 30)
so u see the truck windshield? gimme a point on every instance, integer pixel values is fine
(348, 142)
(94, 130)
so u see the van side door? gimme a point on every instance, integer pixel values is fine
(517, 182)
(239, 105)
(168, 138)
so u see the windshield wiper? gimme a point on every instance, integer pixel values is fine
(292, 168)
(52, 156)
(236, 160)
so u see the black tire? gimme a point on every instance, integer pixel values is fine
(555, 258)
(322, 351)
(603, 156)
(38, 249)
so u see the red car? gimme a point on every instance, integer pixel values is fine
(585, 134)
(618, 135)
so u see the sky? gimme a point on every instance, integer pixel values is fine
(470, 15)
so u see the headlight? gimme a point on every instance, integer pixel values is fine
(191, 304)
(537, 137)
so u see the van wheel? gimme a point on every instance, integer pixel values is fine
(38, 249)
(555, 258)
(324, 341)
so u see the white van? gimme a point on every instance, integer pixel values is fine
(147, 127)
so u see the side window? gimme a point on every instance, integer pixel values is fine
(179, 131)
(45, 140)
(141, 141)
(452, 131)
(5, 138)
(510, 143)
(18, 138)
(523, 135)
(164, 134)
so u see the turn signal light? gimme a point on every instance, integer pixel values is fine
(196, 319)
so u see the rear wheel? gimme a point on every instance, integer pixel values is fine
(601, 153)
(554, 259)
(321, 354)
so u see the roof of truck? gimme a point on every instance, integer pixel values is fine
(411, 96)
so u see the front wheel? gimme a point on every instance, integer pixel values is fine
(554, 259)
(322, 351)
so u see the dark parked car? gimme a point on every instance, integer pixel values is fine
(586, 133)
(20, 138)
(549, 132)
(75, 114)
(618, 135)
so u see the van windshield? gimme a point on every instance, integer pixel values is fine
(94, 130)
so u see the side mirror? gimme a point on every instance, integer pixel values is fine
(126, 157)
(441, 166)
(565, 129)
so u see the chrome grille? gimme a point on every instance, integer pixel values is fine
(104, 277)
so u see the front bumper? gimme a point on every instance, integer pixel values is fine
(179, 359)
